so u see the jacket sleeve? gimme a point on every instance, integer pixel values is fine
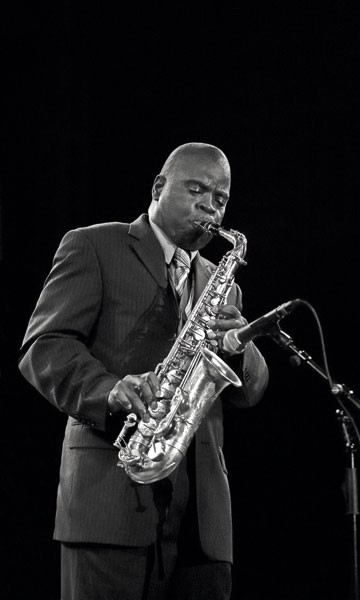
(55, 357)
(250, 366)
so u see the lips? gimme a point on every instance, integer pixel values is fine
(199, 225)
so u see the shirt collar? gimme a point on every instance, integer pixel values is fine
(167, 246)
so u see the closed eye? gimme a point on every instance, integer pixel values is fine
(221, 200)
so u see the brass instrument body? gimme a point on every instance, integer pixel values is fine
(191, 377)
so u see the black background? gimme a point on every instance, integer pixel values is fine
(93, 102)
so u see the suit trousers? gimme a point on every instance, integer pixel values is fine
(174, 568)
(102, 572)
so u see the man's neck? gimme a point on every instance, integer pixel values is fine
(167, 245)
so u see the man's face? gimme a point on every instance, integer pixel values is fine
(197, 189)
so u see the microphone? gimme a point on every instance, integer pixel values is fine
(235, 339)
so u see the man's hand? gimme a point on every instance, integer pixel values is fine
(134, 393)
(226, 317)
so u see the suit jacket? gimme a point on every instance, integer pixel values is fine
(107, 310)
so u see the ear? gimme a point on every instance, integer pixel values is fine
(158, 185)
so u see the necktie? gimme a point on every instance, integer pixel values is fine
(182, 263)
(182, 269)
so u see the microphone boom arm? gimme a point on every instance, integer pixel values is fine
(287, 343)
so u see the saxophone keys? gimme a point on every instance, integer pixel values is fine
(198, 333)
(158, 411)
(131, 421)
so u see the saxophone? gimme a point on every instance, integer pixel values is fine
(191, 377)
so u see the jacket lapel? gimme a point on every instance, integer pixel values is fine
(145, 245)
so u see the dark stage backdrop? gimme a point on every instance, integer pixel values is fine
(93, 102)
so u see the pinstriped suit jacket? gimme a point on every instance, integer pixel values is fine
(106, 310)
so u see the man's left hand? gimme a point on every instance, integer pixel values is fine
(226, 317)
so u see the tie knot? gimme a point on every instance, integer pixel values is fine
(182, 258)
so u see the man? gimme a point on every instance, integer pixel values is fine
(107, 316)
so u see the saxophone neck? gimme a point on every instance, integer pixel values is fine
(237, 239)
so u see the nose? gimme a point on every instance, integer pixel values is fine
(206, 204)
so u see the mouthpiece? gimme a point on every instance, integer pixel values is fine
(208, 226)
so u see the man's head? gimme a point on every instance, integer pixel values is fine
(194, 184)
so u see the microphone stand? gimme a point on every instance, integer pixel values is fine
(340, 391)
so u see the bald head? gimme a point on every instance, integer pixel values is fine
(193, 185)
(196, 151)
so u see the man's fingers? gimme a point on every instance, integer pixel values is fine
(152, 382)
(147, 393)
(227, 311)
(227, 317)
(123, 397)
(133, 393)
(118, 399)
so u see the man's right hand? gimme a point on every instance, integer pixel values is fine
(134, 393)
